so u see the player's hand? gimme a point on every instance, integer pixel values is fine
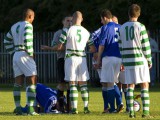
(45, 47)
(96, 66)
(149, 65)
(99, 64)
(122, 68)
(95, 56)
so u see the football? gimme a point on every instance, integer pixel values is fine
(136, 106)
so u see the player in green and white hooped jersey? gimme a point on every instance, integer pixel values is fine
(19, 40)
(76, 71)
(136, 58)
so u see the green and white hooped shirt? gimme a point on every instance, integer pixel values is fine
(134, 45)
(76, 38)
(20, 37)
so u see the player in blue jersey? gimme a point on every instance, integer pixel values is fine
(118, 97)
(95, 38)
(46, 98)
(109, 57)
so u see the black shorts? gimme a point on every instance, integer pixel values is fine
(60, 67)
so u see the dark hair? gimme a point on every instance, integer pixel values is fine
(106, 13)
(134, 10)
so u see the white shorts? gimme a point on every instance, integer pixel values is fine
(76, 69)
(110, 69)
(23, 64)
(121, 77)
(137, 75)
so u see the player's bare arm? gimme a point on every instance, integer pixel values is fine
(100, 51)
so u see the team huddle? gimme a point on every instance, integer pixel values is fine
(121, 56)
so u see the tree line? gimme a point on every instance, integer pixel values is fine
(49, 13)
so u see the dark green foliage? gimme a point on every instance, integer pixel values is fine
(49, 13)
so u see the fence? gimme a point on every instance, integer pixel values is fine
(46, 61)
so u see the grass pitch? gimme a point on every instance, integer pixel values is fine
(95, 106)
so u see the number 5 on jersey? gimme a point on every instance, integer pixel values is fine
(79, 35)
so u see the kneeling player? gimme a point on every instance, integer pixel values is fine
(46, 100)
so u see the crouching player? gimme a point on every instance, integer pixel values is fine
(46, 100)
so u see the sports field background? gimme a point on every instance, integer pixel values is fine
(95, 106)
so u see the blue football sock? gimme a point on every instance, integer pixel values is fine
(111, 99)
(117, 95)
(105, 99)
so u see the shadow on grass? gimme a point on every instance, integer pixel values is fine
(7, 114)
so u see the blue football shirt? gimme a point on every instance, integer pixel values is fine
(46, 97)
(109, 39)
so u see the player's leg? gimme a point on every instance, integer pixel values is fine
(111, 96)
(73, 96)
(61, 86)
(108, 77)
(145, 98)
(105, 97)
(145, 79)
(125, 89)
(71, 73)
(119, 85)
(118, 97)
(104, 93)
(30, 71)
(130, 99)
(17, 93)
(83, 77)
(113, 91)
(60, 95)
(84, 95)
(68, 106)
(31, 94)
(19, 77)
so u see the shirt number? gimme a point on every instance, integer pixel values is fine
(79, 35)
(129, 33)
(116, 37)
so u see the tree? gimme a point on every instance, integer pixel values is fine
(49, 13)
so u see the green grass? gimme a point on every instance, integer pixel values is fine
(95, 106)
